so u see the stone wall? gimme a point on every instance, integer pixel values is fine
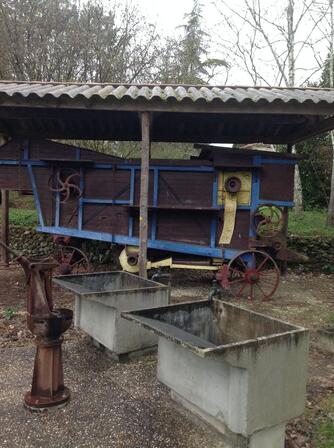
(320, 250)
(35, 244)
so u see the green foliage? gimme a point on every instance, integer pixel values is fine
(310, 223)
(70, 40)
(22, 217)
(325, 434)
(9, 313)
(186, 60)
(324, 429)
(330, 319)
(325, 76)
(315, 171)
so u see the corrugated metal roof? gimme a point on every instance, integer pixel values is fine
(179, 93)
(180, 113)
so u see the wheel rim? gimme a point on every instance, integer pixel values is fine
(253, 275)
(72, 261)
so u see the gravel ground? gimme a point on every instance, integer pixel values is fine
(112, 405)
(123, 405)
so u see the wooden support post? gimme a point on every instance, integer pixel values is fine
(144, 179)
(4, 226)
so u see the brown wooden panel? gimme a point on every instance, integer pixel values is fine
(184, 188)
(137, 188)
(107, 184)
(11, 150)
(46, 197)
(69, 214)
(240, 236)
(276, 182)
(14, 178)
(106, 218)
(236, 159)
(135, 215)
(191, 227)
(47, 149)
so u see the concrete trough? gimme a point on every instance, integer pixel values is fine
(99, 300)
(242, 372)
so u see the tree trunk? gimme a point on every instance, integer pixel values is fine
(298, 193)
(330, 211)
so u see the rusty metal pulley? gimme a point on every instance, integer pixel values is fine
(66, 182)
(233, 184)
(268, 221)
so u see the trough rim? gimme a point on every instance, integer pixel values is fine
(296, 330)
(155, 287)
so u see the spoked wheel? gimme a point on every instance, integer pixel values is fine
(253, 275)
(72, 261)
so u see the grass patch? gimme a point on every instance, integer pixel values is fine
(324, 436)
(310, 223)
(330, 319)
(22, 217)
(324, 430)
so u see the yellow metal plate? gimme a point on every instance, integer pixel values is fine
(244, 195)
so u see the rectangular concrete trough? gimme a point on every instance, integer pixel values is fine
(101, 297)
(241, 371)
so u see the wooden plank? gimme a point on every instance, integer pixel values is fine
(311, 131)
(128, 105)
(144, 182)
(4, 226)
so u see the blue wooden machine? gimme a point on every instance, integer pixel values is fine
(224, 210)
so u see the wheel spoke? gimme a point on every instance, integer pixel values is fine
(237, 271)
(67, 195)
(233, 282)
(262, 263)
(71, 176)
(75, 187)
(243, 263)
(240, 291)
(263, 293)
(79, 261)
(251, 295)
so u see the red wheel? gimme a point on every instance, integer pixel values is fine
(65, 182)
(253, 275)
(72, 261)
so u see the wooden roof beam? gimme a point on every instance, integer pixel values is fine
(312, 131)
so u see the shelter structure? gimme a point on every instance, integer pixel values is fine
(163, 113)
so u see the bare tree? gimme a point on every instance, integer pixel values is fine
(325, 9)
(269, 48)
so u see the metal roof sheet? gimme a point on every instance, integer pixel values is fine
(179, 93)
(180, 113)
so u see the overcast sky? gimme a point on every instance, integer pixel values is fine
(168, 15)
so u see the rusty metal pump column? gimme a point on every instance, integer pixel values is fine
(48, 325)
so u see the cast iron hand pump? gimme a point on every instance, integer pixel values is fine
(47, 324)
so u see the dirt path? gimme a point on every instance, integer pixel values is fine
(306, 300)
